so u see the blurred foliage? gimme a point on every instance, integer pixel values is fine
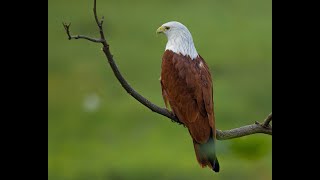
(97, 131)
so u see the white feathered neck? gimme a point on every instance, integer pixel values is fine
(180, 40)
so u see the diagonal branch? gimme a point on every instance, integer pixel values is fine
(264, 128)
(266, 122)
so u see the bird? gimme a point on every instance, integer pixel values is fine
(187, 89)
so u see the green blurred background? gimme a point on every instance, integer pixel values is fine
(97, 131)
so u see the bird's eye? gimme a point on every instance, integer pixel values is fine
(167, 28)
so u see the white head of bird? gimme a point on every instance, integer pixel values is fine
(179, 39)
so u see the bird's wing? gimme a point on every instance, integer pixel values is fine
(207, 91)
(188, 87)
(164, 94)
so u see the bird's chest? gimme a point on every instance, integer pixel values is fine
(177, 78)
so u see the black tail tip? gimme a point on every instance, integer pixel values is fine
(215, 165)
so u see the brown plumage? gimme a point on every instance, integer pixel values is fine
(187, 87)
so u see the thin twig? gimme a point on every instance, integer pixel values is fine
(99, 23)
(67, 26)
(266, 123)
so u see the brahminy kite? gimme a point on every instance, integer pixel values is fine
(187, 86)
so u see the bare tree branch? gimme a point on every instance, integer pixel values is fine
(264, 128)
(97, 20)
(67, 26)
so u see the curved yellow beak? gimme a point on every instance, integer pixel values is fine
(161, 29)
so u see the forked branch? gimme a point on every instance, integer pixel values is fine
(264, 127)
(67, 26)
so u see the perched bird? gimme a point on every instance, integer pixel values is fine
(187, 87)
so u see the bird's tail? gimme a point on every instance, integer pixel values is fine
(206, 154)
